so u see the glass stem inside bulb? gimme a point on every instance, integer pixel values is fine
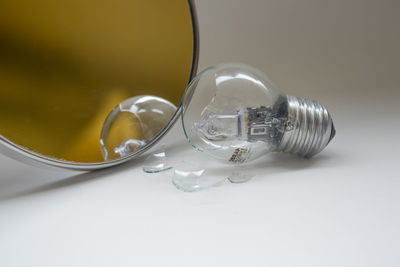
(219, 127)
(253, 125)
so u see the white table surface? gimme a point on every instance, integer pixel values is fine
(340, 208)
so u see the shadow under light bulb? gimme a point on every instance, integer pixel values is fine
(236, 114)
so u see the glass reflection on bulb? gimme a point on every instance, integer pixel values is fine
(132, 124)
(236, 114)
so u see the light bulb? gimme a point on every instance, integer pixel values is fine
(132, 124)
(236, 114)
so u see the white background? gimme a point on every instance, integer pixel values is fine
(340, 208)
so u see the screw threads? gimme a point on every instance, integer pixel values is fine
(309, 128)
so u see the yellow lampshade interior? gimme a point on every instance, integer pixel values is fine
(65, 64)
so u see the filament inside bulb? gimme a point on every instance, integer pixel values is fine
(219, 127)
(255, 124)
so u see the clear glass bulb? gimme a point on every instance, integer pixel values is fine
(133, 123)
(236, 114)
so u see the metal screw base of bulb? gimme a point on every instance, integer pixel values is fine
(309, 128)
